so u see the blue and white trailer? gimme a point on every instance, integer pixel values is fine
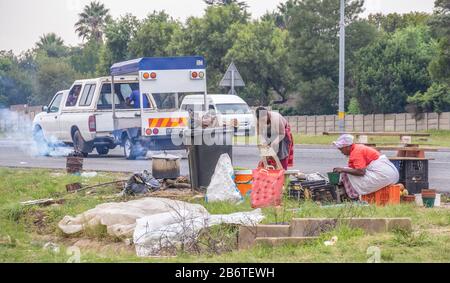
(163, 82)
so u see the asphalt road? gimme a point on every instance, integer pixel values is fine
(308, 159)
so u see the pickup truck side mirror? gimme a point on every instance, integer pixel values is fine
(45, 108)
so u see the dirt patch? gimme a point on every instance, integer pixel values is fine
(438, 231)
(101, 246)
(38, 221)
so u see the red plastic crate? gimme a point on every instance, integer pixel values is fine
(387, 195)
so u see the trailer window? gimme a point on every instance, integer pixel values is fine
(166, 100)
(170, 100)
(88, 94)
(121, 90)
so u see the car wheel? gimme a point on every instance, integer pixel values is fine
(102, 150)
(128, 149)
(78, 143)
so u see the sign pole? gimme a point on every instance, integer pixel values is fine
(341, 113)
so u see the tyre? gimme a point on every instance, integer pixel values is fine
(129, 149)
(78, 143)
(102, 150)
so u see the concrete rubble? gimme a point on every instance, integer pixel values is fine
(301, 230)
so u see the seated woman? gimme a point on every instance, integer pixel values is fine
(368, 171)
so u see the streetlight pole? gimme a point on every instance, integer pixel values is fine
(341, 113)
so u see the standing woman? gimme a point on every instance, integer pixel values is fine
(274, 130)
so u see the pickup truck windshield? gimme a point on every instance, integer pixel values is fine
(233, 108)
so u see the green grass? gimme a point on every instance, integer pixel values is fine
(438, 138)
(25, 230)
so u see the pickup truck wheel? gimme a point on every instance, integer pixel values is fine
(102, 150)
(78, 143)
(129, 149)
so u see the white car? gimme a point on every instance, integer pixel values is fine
(82, 115)
(229, 107)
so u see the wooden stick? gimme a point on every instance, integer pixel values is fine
(100, 185)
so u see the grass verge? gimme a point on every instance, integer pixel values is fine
(26, 232)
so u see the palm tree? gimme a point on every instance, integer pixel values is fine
(241, 4)
(52, 44)
(92, 22)
(49, 39)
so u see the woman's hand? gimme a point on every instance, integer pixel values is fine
(339, 170)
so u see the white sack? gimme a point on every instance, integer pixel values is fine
(154, 223)
(171, 229)
(222, 186)
(120, 218)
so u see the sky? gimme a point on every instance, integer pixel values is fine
(22, 22)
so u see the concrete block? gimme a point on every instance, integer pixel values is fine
(369, 225)
(399, 223)
(248, 234)
(280, 241)
(307, 227)
(272, 230)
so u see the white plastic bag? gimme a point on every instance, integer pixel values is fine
(222, 186)
(182, 226)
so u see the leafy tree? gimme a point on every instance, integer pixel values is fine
(392, 22)
(393, 68)
(15, 85)
(85, 59)
(211, 36)
(260, 51)
(52, 76)
(315, 96)
(241, 4)
(353, 106)
(119, 33)
(313, 27)
(52, 45)
(92, 22)
(154, 36)
(435, 99)
(440, 23)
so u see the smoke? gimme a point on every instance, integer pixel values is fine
(16, 130)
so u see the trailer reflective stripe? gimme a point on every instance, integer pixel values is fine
(160, 121)
(152, 122)
(167, 122)
(164, 123)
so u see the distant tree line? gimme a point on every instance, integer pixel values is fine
(288, 57)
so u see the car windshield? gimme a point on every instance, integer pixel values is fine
(233, 108)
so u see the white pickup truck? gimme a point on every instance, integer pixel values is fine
(82, 115)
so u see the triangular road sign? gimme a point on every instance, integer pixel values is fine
(232, 72)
